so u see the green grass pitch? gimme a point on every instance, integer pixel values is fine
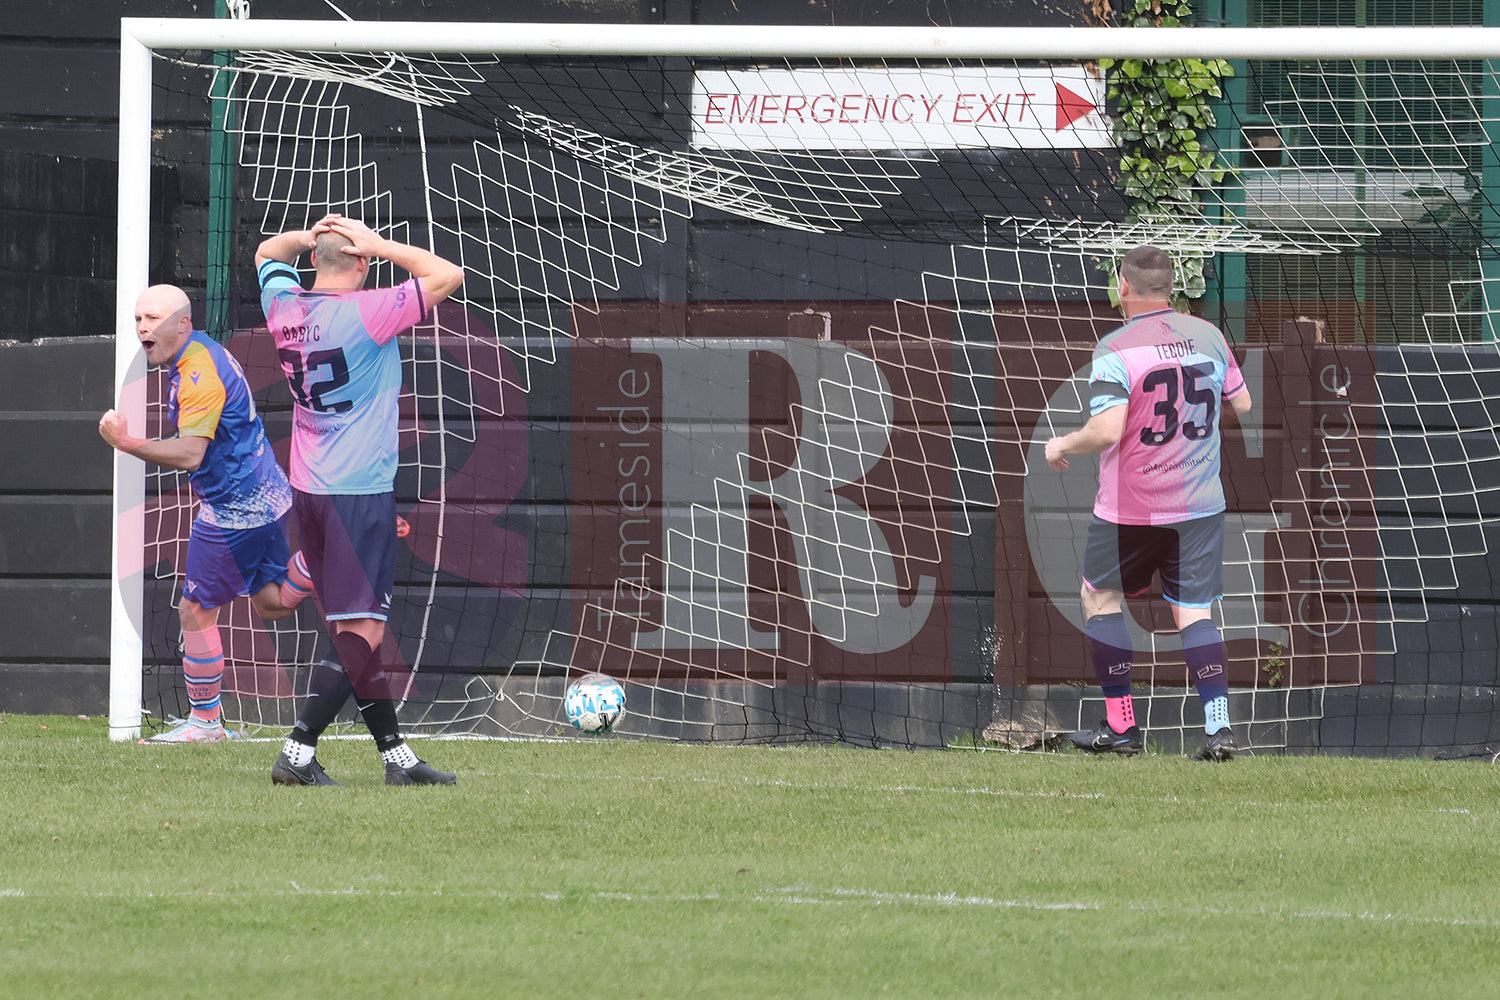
(619, 868)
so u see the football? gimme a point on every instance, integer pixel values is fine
(594, 703)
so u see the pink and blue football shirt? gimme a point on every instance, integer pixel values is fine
(343, 365)
(1174, 372)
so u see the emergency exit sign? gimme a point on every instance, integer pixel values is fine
(1059, 107)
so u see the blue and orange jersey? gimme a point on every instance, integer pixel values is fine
(343, 364)
(238, 483)
(1174, 372)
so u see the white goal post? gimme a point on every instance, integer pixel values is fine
(1035, 278)
(812, 41)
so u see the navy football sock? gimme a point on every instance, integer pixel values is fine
(1203, 648)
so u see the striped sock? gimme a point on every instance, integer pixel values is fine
(203, 672)
(298, 585)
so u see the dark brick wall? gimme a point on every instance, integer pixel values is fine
(57, 253)
(55, 520)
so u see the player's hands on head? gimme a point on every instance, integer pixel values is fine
(363, 241)
(323, 225)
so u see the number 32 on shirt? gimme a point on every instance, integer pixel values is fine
(329, 371)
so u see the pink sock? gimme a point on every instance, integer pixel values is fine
(1119, 711)
(298, 585)
(203, 672)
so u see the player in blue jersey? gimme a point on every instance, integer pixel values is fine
(238, 542)
(1157, 387)
(337, 345)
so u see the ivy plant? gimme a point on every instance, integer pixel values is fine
(1163, 112)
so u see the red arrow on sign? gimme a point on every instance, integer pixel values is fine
(1070, 107)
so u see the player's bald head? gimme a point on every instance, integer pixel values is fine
(163, 320)
(163, 301)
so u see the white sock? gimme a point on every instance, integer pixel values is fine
(401, 755)
(300, 754)
(1215, 714)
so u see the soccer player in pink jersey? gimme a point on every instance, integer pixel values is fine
(1157, 386)
(338, 348)
(238, 541)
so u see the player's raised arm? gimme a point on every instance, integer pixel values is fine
(288, 246)
(185, 453)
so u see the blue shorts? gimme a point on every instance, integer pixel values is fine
(349, 543)
(1189, 555)
(225, 563)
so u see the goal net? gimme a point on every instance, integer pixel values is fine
(743, 399)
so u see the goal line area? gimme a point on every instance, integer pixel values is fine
(744, 397)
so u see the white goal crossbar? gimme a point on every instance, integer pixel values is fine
(816, 41)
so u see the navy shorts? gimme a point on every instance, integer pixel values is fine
(1189, 555)
(225, 563)
(349, 543)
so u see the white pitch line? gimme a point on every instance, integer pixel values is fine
(814, 896)
(986, 902)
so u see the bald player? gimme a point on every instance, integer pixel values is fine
(238, 544)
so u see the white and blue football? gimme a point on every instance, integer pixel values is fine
(594, 703)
